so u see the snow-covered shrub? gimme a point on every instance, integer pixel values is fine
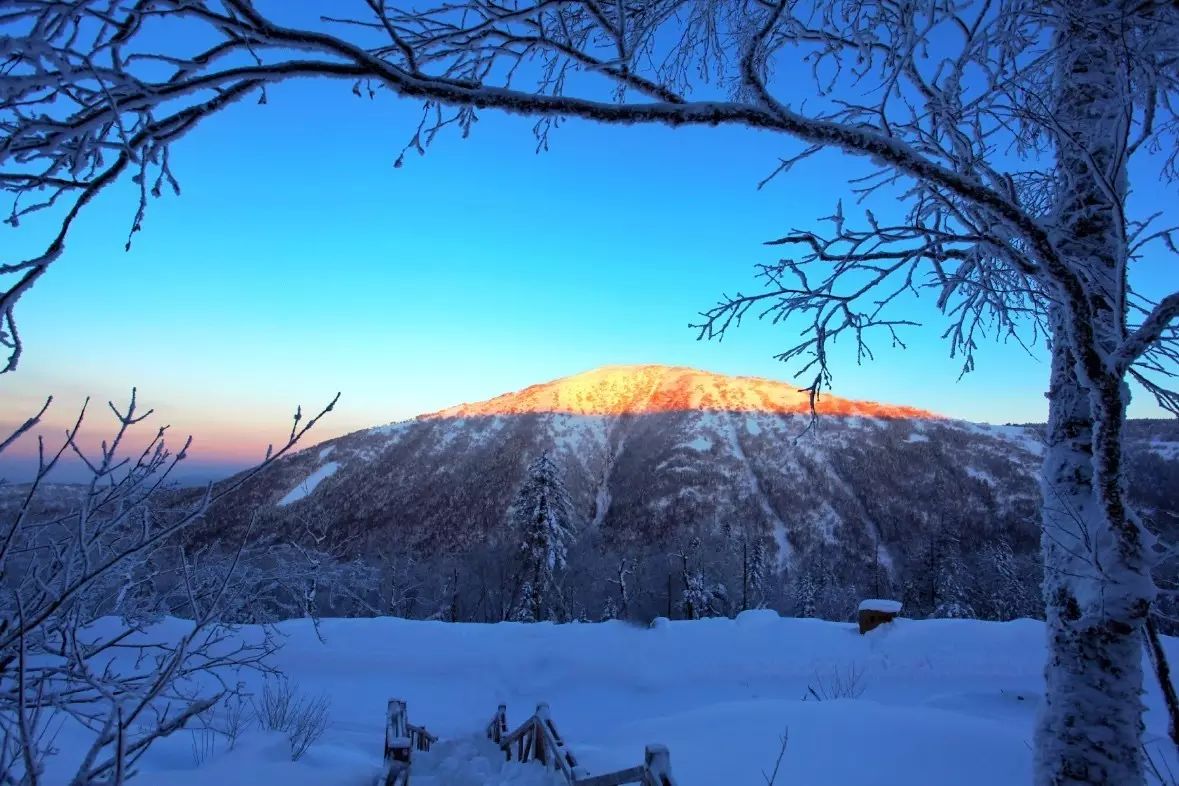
(303, 719)
(274, 706)
(236, 716)
(308, 723)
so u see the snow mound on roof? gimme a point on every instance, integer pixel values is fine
(878, 604)
(308, 486)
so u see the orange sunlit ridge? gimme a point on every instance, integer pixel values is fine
(642, 390)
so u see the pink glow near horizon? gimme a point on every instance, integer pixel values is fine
(214, 441)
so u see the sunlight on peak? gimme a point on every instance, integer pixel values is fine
(645, 389)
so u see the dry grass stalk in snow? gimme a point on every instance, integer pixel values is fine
(837, 683)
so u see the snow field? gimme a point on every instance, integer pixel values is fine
(943, 701)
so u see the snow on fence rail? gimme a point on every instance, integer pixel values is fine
(401, 739)
(537, 738)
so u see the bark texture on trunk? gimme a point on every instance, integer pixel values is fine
(1090, 727)
(1097, 581)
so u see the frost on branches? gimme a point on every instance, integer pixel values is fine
(80, 588)
(1005, 130)
(543, 517)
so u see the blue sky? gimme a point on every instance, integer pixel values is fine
(298, 262)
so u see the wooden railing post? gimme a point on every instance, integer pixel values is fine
(657, 766)
(397, 746)
(540, 750)
(499, 727)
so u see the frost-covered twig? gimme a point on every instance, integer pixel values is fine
(80, 594)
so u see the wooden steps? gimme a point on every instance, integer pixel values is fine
(537, 739)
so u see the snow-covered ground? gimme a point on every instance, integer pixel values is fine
(943, 702)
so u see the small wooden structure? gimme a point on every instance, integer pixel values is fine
(401, 739)
(538, 739)
(875, 612)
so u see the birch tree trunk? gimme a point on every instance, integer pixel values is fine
(1090, 726)
(1097, 581)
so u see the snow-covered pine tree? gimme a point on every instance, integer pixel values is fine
(696, 596)
(1011, 591)
(543, 518)
(953, 599)
(525, 610)
(805, 593)
(700, 597)
(756, 579)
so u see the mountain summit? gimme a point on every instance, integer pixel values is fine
(649, 389)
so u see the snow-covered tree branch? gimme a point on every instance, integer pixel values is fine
(80, 591)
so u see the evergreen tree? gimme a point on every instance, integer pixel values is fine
(695, 595)
(811, 584)
(757, 574)
(953, 597)
(543, 518)
(702, 600)
(1011, 591)
(806, 591)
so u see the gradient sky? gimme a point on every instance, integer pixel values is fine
(299, 262)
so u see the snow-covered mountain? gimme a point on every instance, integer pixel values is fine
(655, 455)
(655, 451)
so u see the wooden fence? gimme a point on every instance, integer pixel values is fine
(538, 739)
(401, 739)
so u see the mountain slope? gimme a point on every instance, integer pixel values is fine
(672, 461)
(653, 453)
